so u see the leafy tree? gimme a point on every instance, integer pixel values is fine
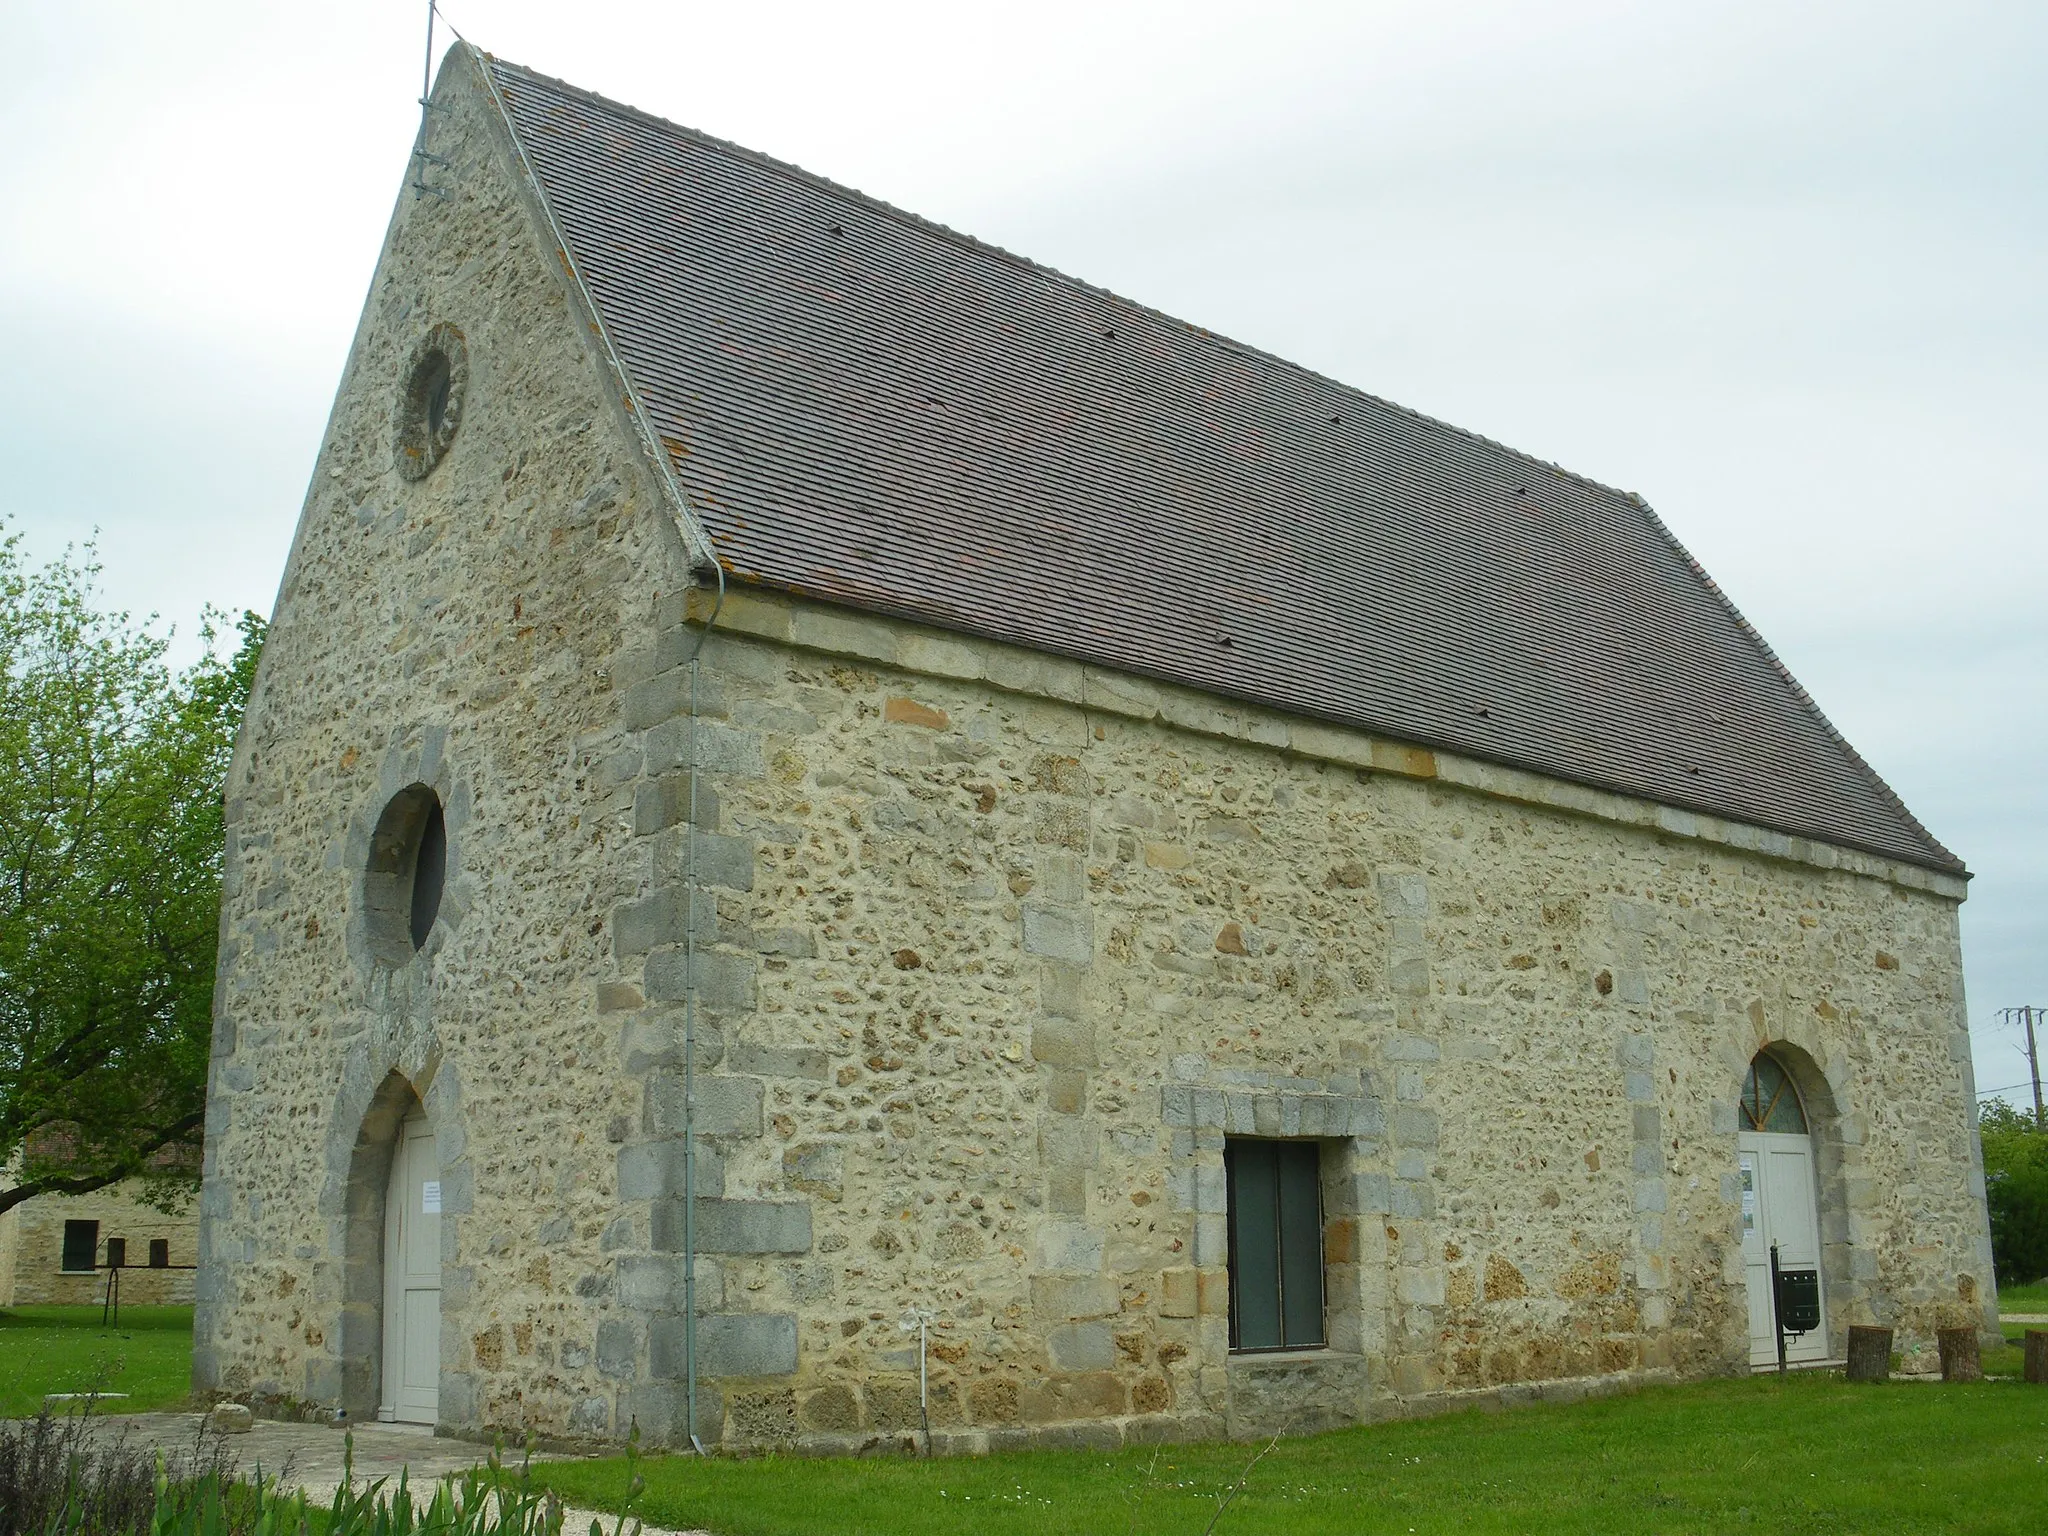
(2016, 1189)
(111, 771)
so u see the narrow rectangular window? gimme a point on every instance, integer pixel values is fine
(159, 1253)
(81, 1245)
(117, 1253)
(1276, 1243)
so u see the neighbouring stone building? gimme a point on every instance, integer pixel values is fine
(1244, 906)
(54, 1249)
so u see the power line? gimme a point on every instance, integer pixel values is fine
(1985, 1093)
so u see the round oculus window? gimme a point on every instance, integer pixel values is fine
(430, 400)
(408, 868)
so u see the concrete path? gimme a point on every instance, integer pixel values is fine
(311, 1456)
(2023, 1317)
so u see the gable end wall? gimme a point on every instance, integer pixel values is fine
(457, 630)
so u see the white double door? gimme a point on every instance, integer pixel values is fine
(1778, 1206)
(412, 1279)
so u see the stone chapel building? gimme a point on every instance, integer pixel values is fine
(1244, 906)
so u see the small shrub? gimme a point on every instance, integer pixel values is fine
(69, 1477)
(63, 1477)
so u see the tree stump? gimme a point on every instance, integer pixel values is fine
(2037, 1356)
(1870, 1353)
(1958, 1354)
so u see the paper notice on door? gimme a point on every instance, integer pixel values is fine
(430, 1197)
(1748, 1196)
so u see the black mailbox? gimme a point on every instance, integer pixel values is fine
(1798, 1300)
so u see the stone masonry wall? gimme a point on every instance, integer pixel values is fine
(994, 952)
(1003, 948)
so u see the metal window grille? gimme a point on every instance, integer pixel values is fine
(1770, 1102)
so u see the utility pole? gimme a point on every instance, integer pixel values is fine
(2028, 1017)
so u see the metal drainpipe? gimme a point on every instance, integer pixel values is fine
(690, 1045)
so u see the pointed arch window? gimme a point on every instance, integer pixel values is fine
(1770, 1100)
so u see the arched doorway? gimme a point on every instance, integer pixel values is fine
(1780, 1203)
(411, 1375)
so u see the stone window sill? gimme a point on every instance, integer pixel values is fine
(1292, 1357)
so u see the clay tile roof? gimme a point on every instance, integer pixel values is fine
(874, 410)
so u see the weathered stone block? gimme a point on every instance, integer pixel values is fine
(724, 981)
(1177, 1293)
(1415, 1128)
(1066, 1245)
(1404, 895)
(618, 1349)
(1064, 1042)
(1408, 976)
(746, 1344)
(1411, 1199)
(1059, 933)
(739, 1226)
(1081, 1347)
(659, 804)
(639, 926)
(817, 1168)
(725, 1106)
(655, 1039)
(792, 943)
(720, 749)
(652, 1170)
(1075, 1298)
(1066, 1091)
(657, 1282)
(804, 1061)
(1063, 989)
(619, 997)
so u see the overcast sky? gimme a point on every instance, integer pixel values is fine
(1779, 268)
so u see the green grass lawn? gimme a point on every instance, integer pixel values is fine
(2024, 1298)
(1809, 1454)
(64, 1349)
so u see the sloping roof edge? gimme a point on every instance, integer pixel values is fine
(688, 524)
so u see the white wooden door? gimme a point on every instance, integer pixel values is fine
(412, 1279)
(1779, 1205)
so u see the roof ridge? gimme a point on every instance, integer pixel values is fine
(1004, 253)
(1877, 780)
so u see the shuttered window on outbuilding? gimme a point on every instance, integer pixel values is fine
(81, 1245)
(1276, 1243)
